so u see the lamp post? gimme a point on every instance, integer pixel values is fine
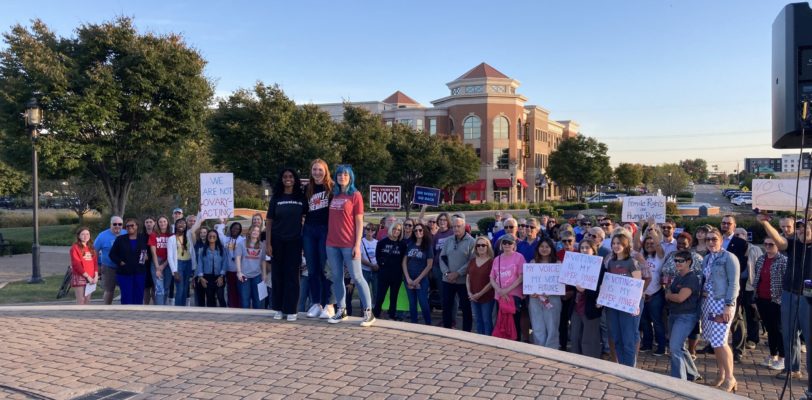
(513, 164)
(33, 120)
(670, 187)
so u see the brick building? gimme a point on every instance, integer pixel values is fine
(512, 138)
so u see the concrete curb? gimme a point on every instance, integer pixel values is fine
(655, 380)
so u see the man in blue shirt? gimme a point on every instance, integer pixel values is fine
(103, 244)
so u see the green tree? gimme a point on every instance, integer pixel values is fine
(648, 174)
(11, 181)
(580, 162)
(364, 140)
(670, 178)
(697, 169)
(114, 100)
(629, 175)
(463, 163)
(418, 160)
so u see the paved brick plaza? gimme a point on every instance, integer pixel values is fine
(64, 352)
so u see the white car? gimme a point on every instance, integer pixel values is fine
(742, 200)
(604, 198)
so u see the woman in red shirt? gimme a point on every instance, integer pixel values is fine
(83, 265)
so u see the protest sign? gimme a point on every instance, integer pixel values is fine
(621, 293)
(542, 279)
(780, 194)
(636, 208)
(580, 270)
(382, 196)
(426, 196)
(217, 195)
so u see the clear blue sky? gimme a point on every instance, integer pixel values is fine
(657, 81)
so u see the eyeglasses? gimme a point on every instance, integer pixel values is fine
(769, 244)
(605, 224)
(418, 230)
(510, 226)
(407, 225)
(505, 242)
(369, 229)
(522, 226)
(567, 241)
(586, 223)
(680, 260)
(531, 227)
(432, 222)
(117, 224)
(481, 245)
(666, 228)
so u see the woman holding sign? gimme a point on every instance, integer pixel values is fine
(83, 265)
(545, 310)
(346, 228)
(719, 292)
(586, 315)
(624, 328)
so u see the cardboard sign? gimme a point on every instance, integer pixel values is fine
(426, 196)
(387, 197)
(217, 195)
(621, 293)
(779, 194)
(581, 270)
(636, 208)
(542, 279)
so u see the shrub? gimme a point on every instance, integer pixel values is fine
(485, 223)
(688, 195)
(250, 202)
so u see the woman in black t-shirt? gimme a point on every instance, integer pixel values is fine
(314, 240)
(683, 300)
(389, 253)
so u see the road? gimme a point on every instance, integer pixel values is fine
(713, 195)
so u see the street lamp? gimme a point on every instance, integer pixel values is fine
(33, 121)
(670, 187)
(513, 164)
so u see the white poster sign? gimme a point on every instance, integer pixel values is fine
(621, 293)
(780, 194)
(542, 279)
(580, 270)
(636, 208)
(217, 195)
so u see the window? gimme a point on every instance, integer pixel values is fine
(419, 124)
(432, 126)
(501, 158)
(478, 153)
(407, 122)
(500, 128)
(472, 127)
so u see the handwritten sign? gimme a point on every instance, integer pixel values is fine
(621, 293)
(542, 279)
(636, 208)
(426, 196)
(217, 195)
(580, 270)
(779, 194)
(387, 197)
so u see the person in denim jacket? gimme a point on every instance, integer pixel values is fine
(211, 269)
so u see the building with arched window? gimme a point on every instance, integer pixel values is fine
(513, 139)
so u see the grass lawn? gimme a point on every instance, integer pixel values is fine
(23, 292)
(55, 235)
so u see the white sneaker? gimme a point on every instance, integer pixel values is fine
(292, 317)
(768, 362)
(803, 348)
(777, 365)
(328, 312)
(277, 314)
(369, 319)
(314, 311)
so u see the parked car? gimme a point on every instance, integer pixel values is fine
(604, 198)
(6, 202)
(742, 200)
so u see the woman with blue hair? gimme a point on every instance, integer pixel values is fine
(345, 230)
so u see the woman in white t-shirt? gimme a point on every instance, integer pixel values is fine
(369, 265)
(652, 316)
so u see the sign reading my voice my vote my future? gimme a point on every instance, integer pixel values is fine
(217, 195)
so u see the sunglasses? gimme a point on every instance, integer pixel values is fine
(505, 242)
(680, 260)
(586, 223)
(481, 245)
(510, 226)
(432, 222)
(606, 224)
(418, 230)
(522, 226)
(117, 224)
(369, 229)
(407, 225)
(567, 241)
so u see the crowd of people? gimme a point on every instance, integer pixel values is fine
(313, 250)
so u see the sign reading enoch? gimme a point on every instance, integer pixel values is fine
(386, 197)
(426, 196)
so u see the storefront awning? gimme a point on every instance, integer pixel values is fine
(501, 183)
(478, 185)
(522, 182)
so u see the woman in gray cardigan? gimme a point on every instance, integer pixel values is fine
(719, 292)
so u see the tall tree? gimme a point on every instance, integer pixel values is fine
(580, 162)
(697, 169)
(114, 100)
(463, 163)
(670, 178)
(11, 181)
(629, 175)
(364, 139)
(417, 159)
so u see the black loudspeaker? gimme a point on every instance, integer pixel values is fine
(791, 74)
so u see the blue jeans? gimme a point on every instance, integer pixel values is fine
(420, 295)
(161, 285)
(314, 245)
(483, 315)
(132, 287)
(338, 258)
(249, 294)
(372, 279)
(797, 313)
(304, 294)
(182, 287)
(624, 329)
(653, 315)
(682, 365)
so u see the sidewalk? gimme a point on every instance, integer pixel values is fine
(54, 260)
